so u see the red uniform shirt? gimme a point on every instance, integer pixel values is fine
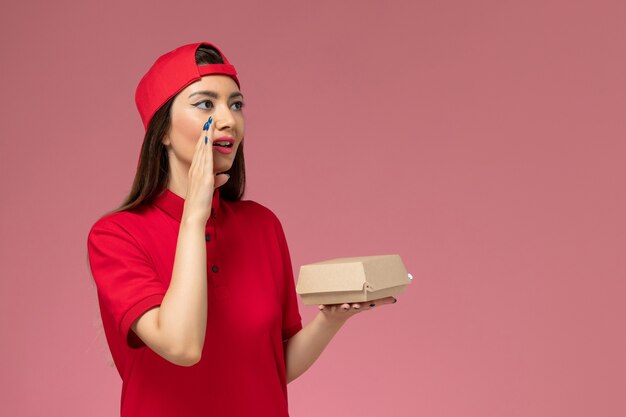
(252, 309)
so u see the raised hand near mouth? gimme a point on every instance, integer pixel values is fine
(201, 179)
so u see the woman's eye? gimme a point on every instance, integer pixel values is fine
(238, 105)
(208, 102)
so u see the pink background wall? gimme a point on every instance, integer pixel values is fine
(484, 142)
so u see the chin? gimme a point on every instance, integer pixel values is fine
(222, 169)
(223, 164)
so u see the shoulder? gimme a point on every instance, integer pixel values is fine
(266, 220)
(120, 235)
(260, 217)
(118, 220)
(123, 223)
(257, 210)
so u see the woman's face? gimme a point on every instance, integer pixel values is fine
(213, 95)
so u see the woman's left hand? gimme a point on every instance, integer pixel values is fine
(341, 312)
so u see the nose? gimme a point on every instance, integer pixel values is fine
(223, 117)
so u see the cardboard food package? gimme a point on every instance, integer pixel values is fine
(352, 280)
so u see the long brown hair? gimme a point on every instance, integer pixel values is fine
(153, 169)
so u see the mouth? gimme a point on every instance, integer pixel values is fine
(224, 145)
(224, 142)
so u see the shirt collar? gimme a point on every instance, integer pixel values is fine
(173, 204)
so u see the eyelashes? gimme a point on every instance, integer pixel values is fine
(239, 105)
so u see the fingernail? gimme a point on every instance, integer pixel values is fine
(206, 126)
(206, 140)
(372, 305)
(395, 300)
(210, 120)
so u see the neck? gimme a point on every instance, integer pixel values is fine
(178, 177)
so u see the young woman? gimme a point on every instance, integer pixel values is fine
(195, 285)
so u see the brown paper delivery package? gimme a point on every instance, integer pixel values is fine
(352, 280)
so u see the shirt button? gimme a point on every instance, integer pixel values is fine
(215, 268)
(208, 237)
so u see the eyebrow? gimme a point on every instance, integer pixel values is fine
(213, 94)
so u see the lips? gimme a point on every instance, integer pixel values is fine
(224, 142)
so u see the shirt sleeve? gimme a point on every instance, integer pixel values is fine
(126, 280)
(292, 322)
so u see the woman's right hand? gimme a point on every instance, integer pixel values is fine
(201, 181)
(176, 329)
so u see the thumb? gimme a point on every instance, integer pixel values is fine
(221, 179)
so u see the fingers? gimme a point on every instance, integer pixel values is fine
(197, 158)
(208, 131)
(221, 179)
(348, 306)
(345, 307)
(381, 301)
(202, 163)
(209, 137)
(200, 186)
(208, 144)
(368, 305)
(198, 148)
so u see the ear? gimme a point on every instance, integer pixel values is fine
(166, 140)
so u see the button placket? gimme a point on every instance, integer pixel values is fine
(210, 233)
